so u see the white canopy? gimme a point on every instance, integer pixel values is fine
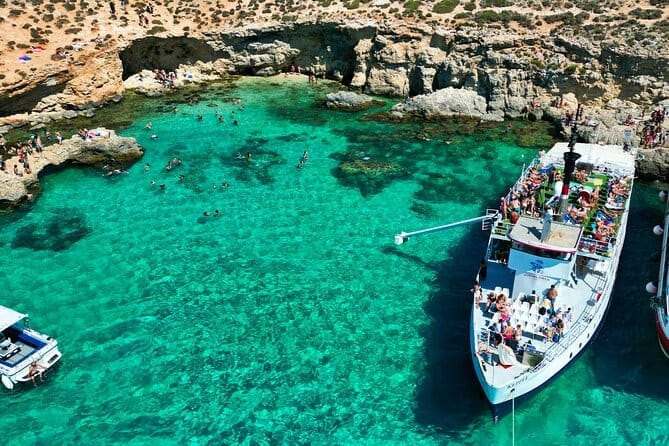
(9, 317)
(613, 157)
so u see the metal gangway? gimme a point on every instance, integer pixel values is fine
(486, 223)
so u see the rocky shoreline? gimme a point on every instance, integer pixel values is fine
(494, 75)
(102, 147)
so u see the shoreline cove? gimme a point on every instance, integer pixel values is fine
(291, 317)
(601, 125)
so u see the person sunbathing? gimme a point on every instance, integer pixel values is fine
(594, 198)
(620, 187)
(615, 200)
(581, 176)
(578, 214)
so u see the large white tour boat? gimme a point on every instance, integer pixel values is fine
(544, 286)
(24, 353)
(548, 276)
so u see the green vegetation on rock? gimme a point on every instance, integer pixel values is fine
(445, 6)
(412, 6)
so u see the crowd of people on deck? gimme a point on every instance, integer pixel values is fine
(552, 321)
(524, 198)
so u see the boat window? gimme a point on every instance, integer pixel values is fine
(499, 250)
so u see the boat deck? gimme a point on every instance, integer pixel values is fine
(534, 347)
(25, 350)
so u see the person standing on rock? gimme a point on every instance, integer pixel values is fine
(112, 8)
(38, 144)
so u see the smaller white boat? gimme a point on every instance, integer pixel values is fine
(24, 353)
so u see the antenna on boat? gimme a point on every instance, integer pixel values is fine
(569, 163)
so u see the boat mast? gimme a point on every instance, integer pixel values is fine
(569, 164)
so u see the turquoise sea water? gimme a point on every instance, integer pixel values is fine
(292, 318)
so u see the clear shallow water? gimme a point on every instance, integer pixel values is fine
(292, 318)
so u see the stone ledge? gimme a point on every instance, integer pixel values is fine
(103, 146)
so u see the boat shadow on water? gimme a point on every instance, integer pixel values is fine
(448, 396)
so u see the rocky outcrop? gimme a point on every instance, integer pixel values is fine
(653, 164)
(490, 75)
(445, 103)
(507, 69)
(350, 101)
(52, 92)
(102, 147)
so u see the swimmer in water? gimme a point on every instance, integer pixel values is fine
(182, 177)
(148, 126)
(154, 136)
(305, 155)
(224, 184)
(206, 213)
(153, 182)
(162, 186)
(200, 117)
(147, 167)
(217, 213)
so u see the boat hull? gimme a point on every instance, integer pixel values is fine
(662, 333)
(47, 362)
(46, 358)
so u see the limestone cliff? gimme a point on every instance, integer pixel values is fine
(481, 72)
